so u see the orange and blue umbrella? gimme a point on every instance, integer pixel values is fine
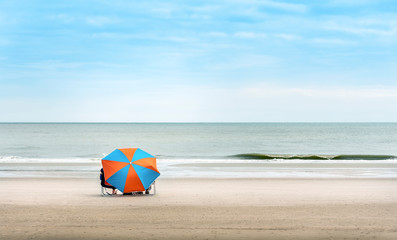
(130, 169)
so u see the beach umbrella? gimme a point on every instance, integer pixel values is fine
(130, 169)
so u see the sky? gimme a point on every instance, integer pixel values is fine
(198, 61)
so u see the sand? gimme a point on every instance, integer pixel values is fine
(33, 208)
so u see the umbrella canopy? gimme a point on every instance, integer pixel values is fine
(130, 169)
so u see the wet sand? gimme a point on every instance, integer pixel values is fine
(49, 208)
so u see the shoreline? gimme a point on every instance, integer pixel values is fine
(166, 179)
(220, 170)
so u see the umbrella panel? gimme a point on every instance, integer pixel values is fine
(133, 181)
(146, 175)
(111, 167)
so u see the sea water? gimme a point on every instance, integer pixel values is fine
(204, 149)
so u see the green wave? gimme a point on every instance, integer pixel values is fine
(259, 156)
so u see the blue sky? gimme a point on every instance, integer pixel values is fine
(241, 60)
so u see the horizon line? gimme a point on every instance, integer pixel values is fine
(160, 122)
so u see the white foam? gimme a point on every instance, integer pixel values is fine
(233, 160)
(208, 168)
(16, 159)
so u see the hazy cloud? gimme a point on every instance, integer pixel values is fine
(100, 21)
(249, 35)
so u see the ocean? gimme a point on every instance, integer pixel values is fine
(216, 150)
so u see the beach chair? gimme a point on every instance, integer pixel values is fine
(105, 187)
(151, 189)
(107, 191)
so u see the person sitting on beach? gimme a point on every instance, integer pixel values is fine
(106, 184)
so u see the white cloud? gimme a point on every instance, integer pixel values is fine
(332, 41)
(179, 103)
(100, 21)
(149, 36)
(288, 37)
(163, 10)
(247, 61)
(205, 8)
(274, 103)
(351, 2)
(250, 35)
(261, 91)
(291, 7)
(363, 30)
(64, 18)
(217, 34)
(363, 26)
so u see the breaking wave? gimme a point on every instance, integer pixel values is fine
(259, 156)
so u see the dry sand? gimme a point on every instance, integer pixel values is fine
(201, 209)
